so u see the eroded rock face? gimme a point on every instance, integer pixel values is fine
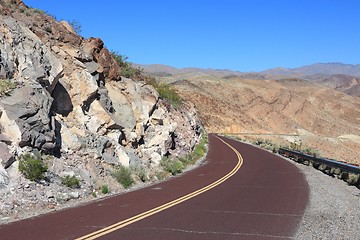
(4, 178)
(29, 109)
(25, 57)
(71, 99)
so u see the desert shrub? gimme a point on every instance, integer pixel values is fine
(127, 69)
(160, 175)
(140, 172)
(186, 160)
(123, 176)
(33, 168)
(167, 92)
(75, 25)
(48, 29)
(200, 148)
(22, 9)
(36, 10)
(198, 152)
(6, 86)
(70, 181)
(275, 148)
(311, 151)
(177, 165)
(297, 146)
(173, 166)
(105, 189)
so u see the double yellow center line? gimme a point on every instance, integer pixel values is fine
(165, 206)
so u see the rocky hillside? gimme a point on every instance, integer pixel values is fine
(343, 83)
(338, 76)
(288, 110)
(63, 96)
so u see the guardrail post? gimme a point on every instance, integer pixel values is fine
(347, 172)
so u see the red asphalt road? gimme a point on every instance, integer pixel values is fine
(265, 199)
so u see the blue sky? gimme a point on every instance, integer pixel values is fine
(251, 35)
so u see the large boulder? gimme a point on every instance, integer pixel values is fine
(26, 118)
(6, 157)
(94, 48)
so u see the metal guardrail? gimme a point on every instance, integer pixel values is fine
(331, 163)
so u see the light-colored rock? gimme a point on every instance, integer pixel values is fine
(116, 154)
(69, 139)
(72, 52)
(64, 197)
(123, 157)
(157, 118)
(82, 86)
(10, 129)
(99, 119)
(4, 139)
(7, 207)
(49, 194)
(67, 173)
(56, 49)
(74, 195)
(91, 66)
(123, 109)
(4, 177)
(67, 26)
(155, 158)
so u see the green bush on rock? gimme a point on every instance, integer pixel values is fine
(123, 175)
(33, 168)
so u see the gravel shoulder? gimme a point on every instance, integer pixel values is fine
(334, 207)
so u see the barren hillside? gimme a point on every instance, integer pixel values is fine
(320, 117)
(343, 83)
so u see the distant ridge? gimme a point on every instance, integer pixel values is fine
(323, 69)
(317, 69)
(339, 76)
(160, 69)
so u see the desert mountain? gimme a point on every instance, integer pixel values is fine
(165, 70)
(287, 110)
(63, 95)
(341, 77)
(316, 69)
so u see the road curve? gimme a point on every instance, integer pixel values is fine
(261, 197)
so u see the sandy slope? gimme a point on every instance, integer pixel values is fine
(322, 118)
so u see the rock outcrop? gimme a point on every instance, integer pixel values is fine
(71, 101)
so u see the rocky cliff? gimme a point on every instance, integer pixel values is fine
(70, 101)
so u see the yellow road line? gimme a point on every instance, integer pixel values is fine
(165, 206)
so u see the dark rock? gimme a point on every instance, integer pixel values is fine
(30, 109)
(6, 157)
